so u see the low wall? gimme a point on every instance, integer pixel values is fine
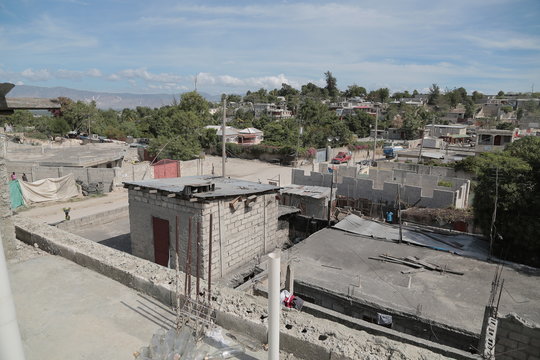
(300, 334)
(86, 175)
(100, 218)
(374, 329)
(517, 339)
(402, 322)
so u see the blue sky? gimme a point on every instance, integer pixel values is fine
(160, 46)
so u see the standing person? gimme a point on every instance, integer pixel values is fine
(13, 176)
(24, 178)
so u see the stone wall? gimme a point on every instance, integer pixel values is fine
(517, 339)
(238, 236)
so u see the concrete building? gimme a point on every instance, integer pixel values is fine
(311, 200)
(236, 222)
(445, 130)
(231, 134)
(342, 271)
(491, 140)
(250, 136)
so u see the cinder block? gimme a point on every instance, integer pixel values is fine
(519, 337)
(511, 344)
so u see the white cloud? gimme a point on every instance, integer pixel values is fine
(144, 74)
(36, 75)
(268, 82)
(505, 42)
(94, 73)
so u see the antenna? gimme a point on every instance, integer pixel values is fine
(196, 82)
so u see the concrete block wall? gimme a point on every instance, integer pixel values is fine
(238, 236)
(382, 187)
(313, 179)
(143, 206)
(134, 172)
(517, 339)
(424, 169)
(308, 206)
(86, 175)
(199, 167)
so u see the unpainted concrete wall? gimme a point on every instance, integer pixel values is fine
(424, 169)
(198, 167)
(517, 339)
(405, 323)
(308, 206)
(96, 219)
(133, 172)
(86, 175)
(238, 236)
(381, 186)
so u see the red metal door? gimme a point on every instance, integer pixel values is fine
(166, 169)
(161, 241)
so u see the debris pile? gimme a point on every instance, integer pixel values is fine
(183, 344)
(91, 188)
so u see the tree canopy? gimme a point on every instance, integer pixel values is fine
(516, 170)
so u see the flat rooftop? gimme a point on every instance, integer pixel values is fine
(66, 311)
(224, 187)
(316, 192)
(332, 259)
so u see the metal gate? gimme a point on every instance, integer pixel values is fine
(166, 169)
(321, 155)
(160, 229)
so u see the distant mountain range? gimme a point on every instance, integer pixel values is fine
(104, 100)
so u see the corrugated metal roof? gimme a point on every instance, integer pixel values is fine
(224, 187)
(464, 244)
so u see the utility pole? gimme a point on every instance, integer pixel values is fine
(421, 147)
(494, 216)
(223, 149)
(330, 200)
(399, 213)
(375, 139)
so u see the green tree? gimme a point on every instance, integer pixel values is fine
(359, 123)
(517, 171)
(476, 95)
(331, 85)
(20, 119)
(380, 95)
(80, 115)
(434, 94)
(355, 91)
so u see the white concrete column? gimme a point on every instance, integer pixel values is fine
(10, 338)
(274, 304)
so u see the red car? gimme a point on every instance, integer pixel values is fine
(341, 157)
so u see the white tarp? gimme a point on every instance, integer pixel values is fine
(50, 189)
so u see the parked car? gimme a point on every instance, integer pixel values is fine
(341, 157)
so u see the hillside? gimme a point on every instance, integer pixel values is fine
(104, 100)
